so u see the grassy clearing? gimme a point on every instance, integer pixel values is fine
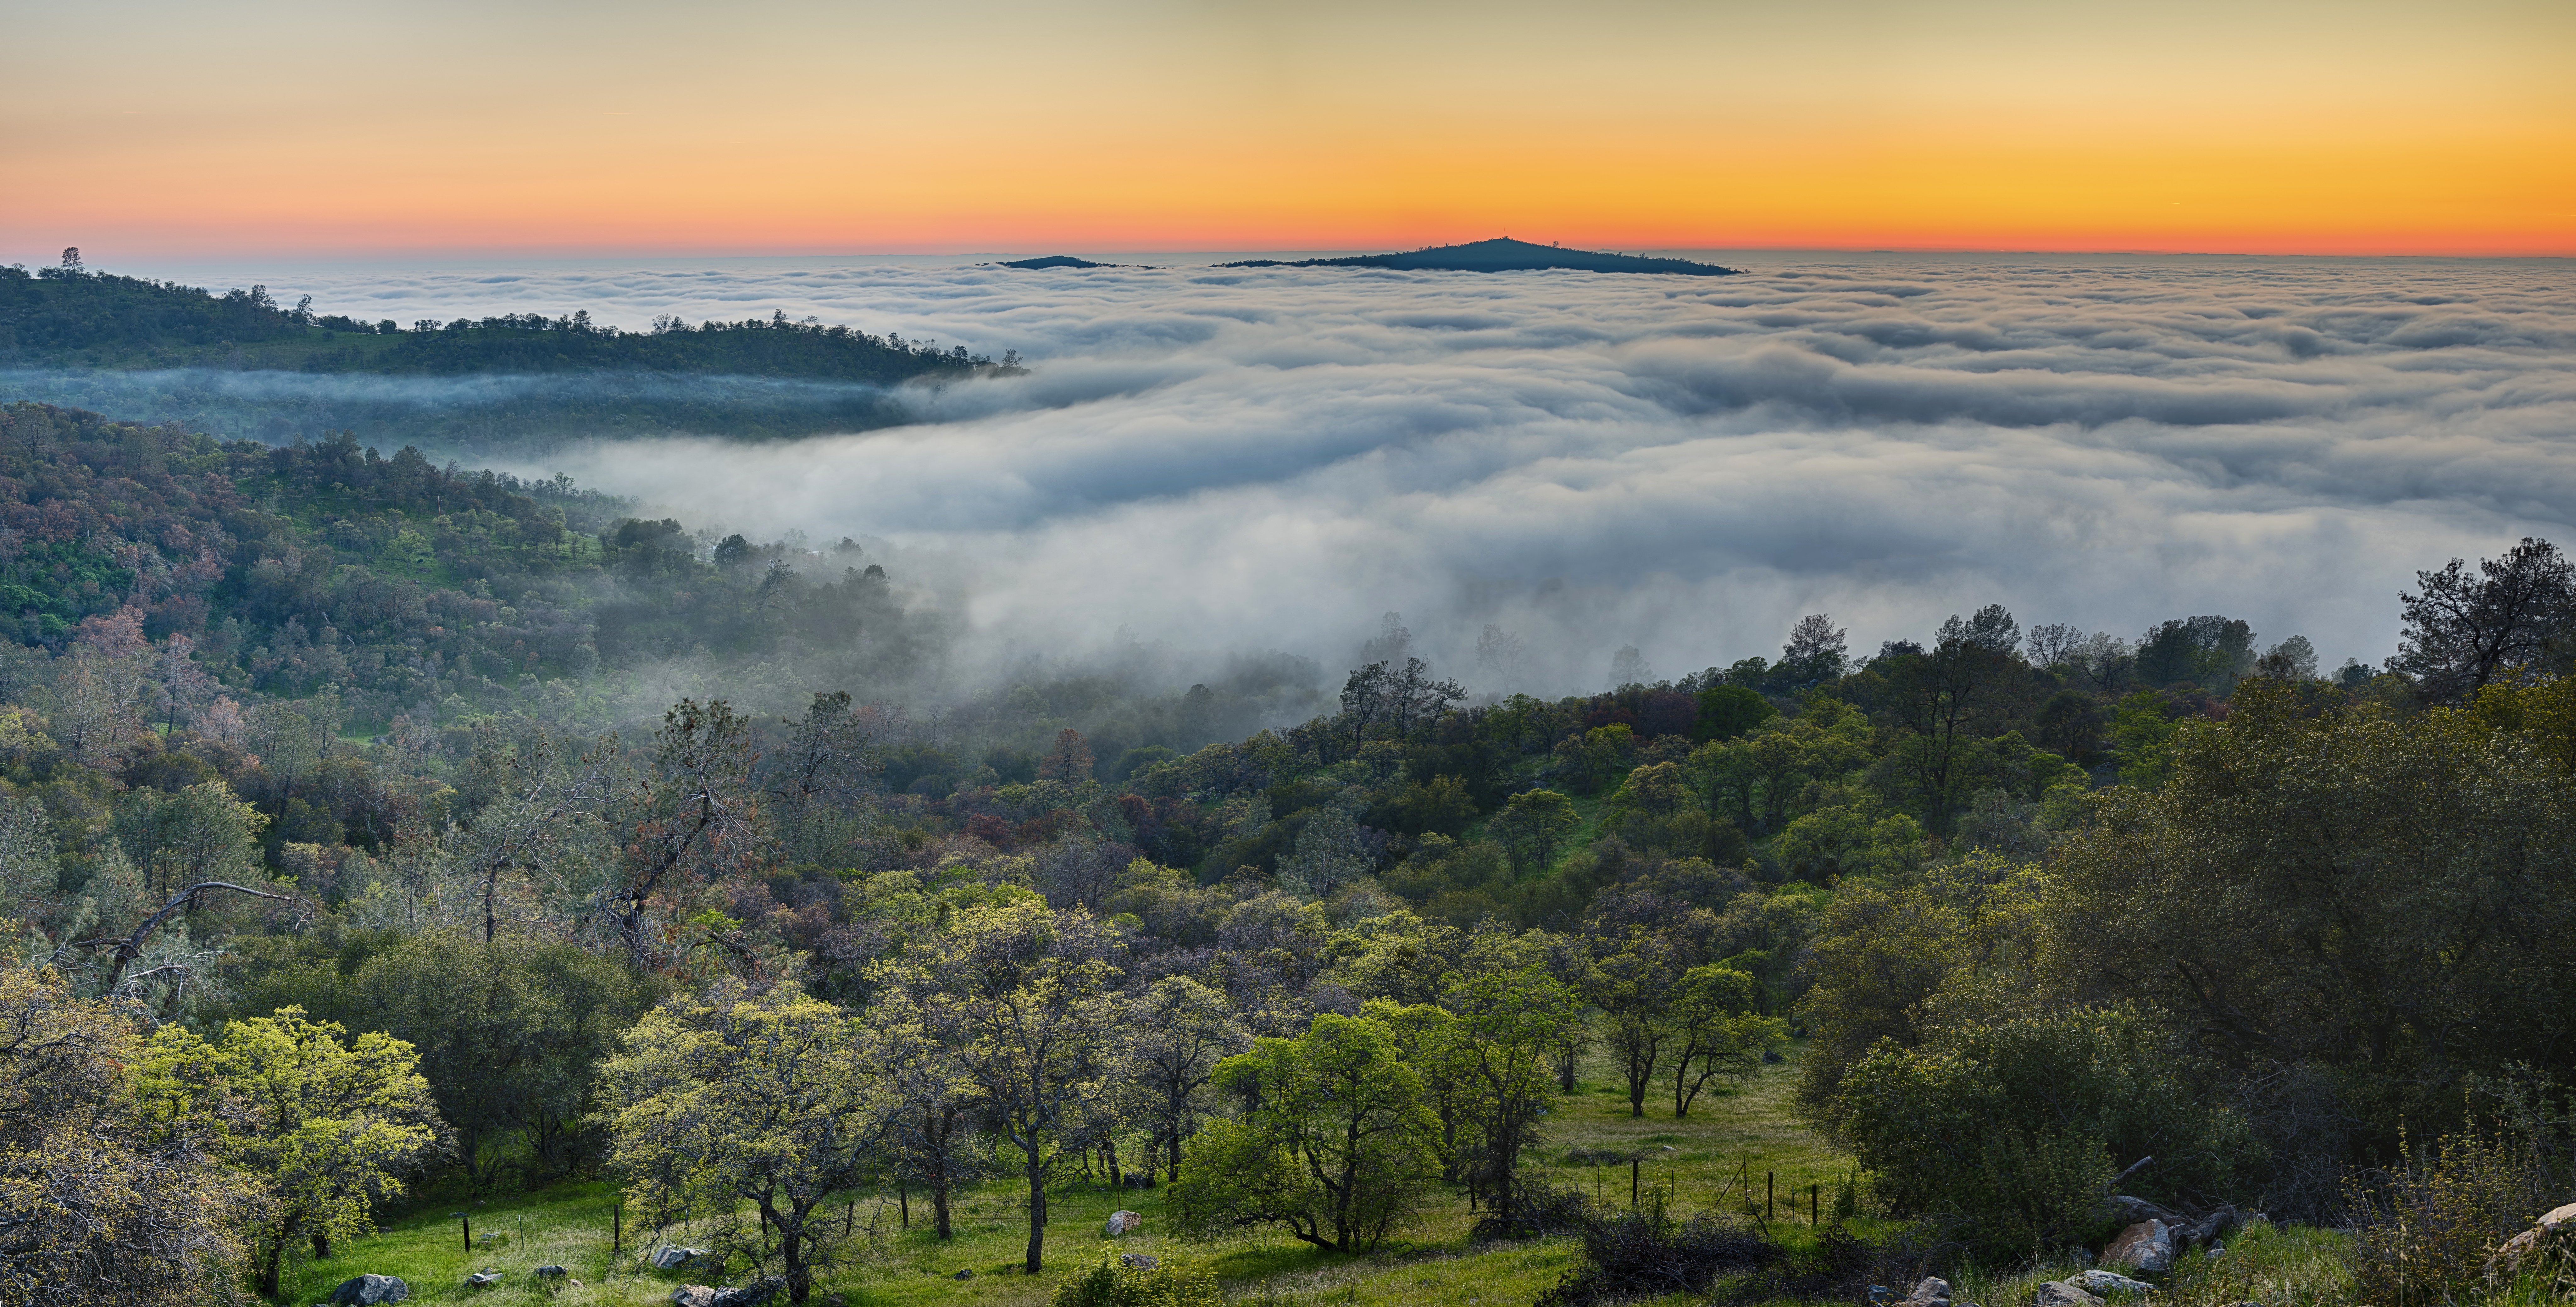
(1730, 1134)
(1737, 1137)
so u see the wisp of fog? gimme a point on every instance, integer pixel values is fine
(1273, 458)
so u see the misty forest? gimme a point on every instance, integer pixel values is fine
(415, 872)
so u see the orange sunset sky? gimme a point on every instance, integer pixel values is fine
(365, 127)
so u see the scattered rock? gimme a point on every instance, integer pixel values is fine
(482, 1279)
(2063, 1293)
(1120, 1222)
(550, 1272)
(963, 1275)
(672, 1257)
(750, 1295)
(2553, 1236)
(693, 1295)
(1930, 1291)
(368, 1290)
(1770, 1055)
(2110, 1282)
(2147, 1246)
(1139, 1261)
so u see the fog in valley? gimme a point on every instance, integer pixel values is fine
(1206, 463)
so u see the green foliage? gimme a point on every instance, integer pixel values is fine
(2426, 1229)
(1332, 1141)
(2014, 1124)
(739, 1097)
(1535, 826)
(1113, 1282)
(329, 1130)
(103, 1197)
(2359, 907)
(1726, 711)
(509, 1033)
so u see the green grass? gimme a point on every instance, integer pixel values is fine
(1727, 1146)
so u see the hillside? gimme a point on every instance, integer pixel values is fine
(1502, 254)
(225, 363)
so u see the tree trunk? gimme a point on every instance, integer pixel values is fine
(321, 1247)
(791, 1250)
(1109, 1150)
(1037, 1215)
(939, 1202)
(1174, 1176)
(270, 1264)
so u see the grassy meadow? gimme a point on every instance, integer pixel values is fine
(1703, 1161)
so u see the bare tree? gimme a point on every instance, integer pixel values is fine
(694, 811)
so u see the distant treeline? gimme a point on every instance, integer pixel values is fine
(69, 314)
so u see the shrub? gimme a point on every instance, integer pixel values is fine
(1122, 1280)
(2426, 1228)
(1646, 1253)
(2015, 1124)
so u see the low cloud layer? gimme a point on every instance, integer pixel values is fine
(1218, 459)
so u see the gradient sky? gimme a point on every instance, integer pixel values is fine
(150, 128)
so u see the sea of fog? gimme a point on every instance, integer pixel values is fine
(1218, 459)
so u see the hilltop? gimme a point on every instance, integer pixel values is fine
(1503, 254)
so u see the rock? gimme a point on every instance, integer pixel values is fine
(2553, 1233)
(1120, 1222)
(550, 1272)
(2147, 1246)
(1772, 1055)
(1139, 1261)
(963, 1275)
(2063, 1293)
(750, 1295)
(693, 1295)
(482, 1279)
(1930, 1291)
(672, 1257)
(2130, 1211)
(368, 1290)
(2111, 1282)
(2217, 1225)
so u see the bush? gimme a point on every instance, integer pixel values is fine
(1122, 1281)
(2425, 1229)
(2017, 1125)
(1647, 1253)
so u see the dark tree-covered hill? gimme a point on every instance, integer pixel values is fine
(71, 315)
(1502, 254)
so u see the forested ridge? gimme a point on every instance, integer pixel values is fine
(756, 378)
(568, 842)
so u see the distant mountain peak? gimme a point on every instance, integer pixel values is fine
(1503, 254)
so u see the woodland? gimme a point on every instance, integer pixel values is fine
(381, 837)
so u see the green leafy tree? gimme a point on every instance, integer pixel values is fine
(2018, 1124)
(1535, 826)
(1022, 1000)
(1633, 978)
(199, 834)
(1510, 1025)
(1724, 712)
(1717, 1031)
(2356, 906)
(1331, 1141)
(509, 1033)
(1179, 1030)
(745, 1098)
(328, 1129)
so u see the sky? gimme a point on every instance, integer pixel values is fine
(153, 129)
(1227, 461)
